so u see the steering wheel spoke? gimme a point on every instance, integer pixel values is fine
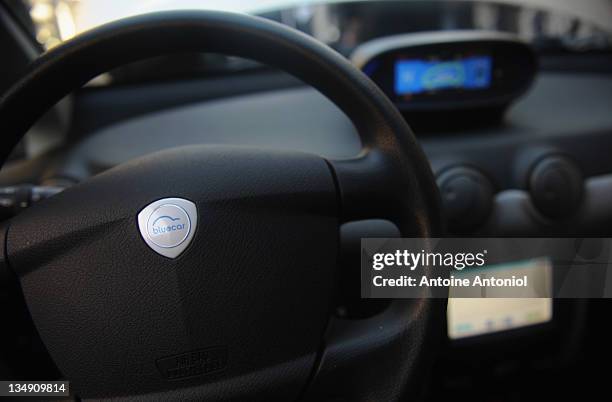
(374, 186)
(366, 183)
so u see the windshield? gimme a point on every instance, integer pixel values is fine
(554, 27)
(571, 24)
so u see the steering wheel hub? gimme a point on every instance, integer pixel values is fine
(261, 264)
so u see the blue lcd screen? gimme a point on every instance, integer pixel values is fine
(416, 76)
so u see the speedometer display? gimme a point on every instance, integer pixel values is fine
(449, 70)
(415, 76)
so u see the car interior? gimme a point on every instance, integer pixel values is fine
(282, 133)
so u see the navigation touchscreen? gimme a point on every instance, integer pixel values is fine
(479, 316)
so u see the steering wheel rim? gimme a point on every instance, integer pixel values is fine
(390, 179)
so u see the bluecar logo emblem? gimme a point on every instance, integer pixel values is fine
(168, 225)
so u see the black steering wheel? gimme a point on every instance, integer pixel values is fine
(245, 311)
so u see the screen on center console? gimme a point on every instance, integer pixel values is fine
(491, 313)
(414, 76)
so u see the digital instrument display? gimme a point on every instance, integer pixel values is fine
(478, 316)
(415, 76)
(448, 71)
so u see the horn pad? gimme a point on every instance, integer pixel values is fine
(248, 298)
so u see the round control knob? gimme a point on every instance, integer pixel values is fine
(467, 198)
(556, 186)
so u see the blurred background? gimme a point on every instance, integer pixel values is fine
(553, 26)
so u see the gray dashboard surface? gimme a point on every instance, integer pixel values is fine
(557, 105)
(297, 119)
(302, 119)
